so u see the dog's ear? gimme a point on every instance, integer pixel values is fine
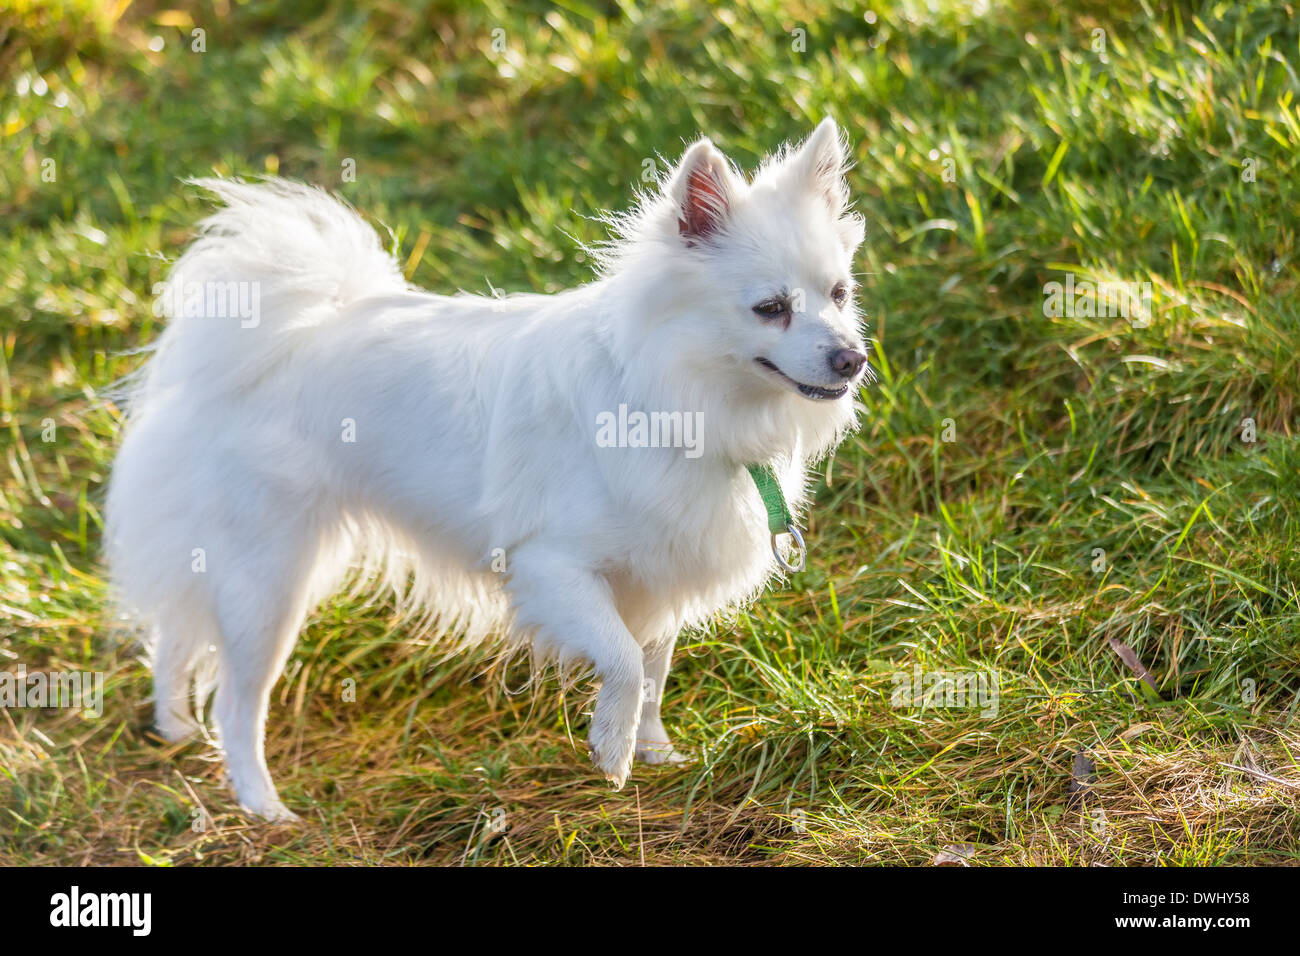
(821, 162)
(820, 165)
(703, 188)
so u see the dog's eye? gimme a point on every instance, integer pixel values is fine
(840, 294)
(771, 308)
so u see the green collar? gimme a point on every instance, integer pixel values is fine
(779, 519)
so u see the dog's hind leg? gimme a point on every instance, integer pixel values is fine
(263, 602)
(569, 610)
(652, 743)
(182, 638)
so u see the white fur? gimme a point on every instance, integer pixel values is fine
(475, 430)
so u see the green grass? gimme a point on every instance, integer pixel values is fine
(1172, 160)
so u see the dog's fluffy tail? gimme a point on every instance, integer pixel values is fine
(275, 263)
(276, 258)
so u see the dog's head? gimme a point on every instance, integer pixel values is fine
(780, 252)
(754, 289)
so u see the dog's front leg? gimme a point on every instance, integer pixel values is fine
(569, 610)
(652, 743)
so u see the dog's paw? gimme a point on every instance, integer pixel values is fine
(653, 745)
(175, 727)
(660, 752)
(273, 812)
(612, 749)
(264, 802)
(614, 762)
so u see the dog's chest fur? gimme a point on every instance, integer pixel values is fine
(703, 546)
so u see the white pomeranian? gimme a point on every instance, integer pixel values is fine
(582, 475)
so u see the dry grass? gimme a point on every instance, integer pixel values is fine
(1071, 436)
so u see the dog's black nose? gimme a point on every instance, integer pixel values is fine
(847, 362)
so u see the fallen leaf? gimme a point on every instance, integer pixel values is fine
(1083, 774)
(1130, 659)
(954, 855)
(1137, 730)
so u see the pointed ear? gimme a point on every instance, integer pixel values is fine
(703, 188)
(852, 229)
(821, 163)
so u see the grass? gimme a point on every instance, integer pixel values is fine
(1029, 496)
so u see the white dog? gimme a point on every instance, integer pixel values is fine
(581, 475)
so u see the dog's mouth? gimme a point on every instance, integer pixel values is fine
(817, 393)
